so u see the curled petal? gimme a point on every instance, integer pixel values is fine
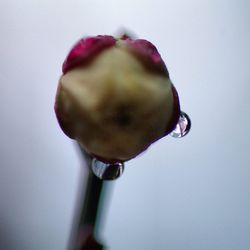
(85, 50)
(148, 53)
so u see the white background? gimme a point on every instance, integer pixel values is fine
(188, 194)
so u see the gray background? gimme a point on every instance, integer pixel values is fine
(183, 194)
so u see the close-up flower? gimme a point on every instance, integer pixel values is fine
(115, 97)
(97, 98)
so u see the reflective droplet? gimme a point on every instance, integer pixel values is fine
(183, 126)
(107, 171)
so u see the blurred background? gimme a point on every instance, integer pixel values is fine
(182, 194)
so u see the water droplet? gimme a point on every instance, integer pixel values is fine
(183, 126)
(107, 171)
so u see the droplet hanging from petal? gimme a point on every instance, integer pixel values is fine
(183, 126)
(107, 171)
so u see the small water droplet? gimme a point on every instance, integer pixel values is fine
(107, 171)
(183, 126)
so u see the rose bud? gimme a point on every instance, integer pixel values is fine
(115, 97)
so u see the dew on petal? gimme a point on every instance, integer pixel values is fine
(183, 126)
(107, 171)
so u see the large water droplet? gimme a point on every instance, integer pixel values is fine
(107, 171)
(183, 126)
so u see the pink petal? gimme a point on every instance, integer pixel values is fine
(146, 51)
(85, 50)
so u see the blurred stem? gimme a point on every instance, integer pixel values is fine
(91, 201)
(90, 209)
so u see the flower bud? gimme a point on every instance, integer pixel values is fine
(115, 97)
